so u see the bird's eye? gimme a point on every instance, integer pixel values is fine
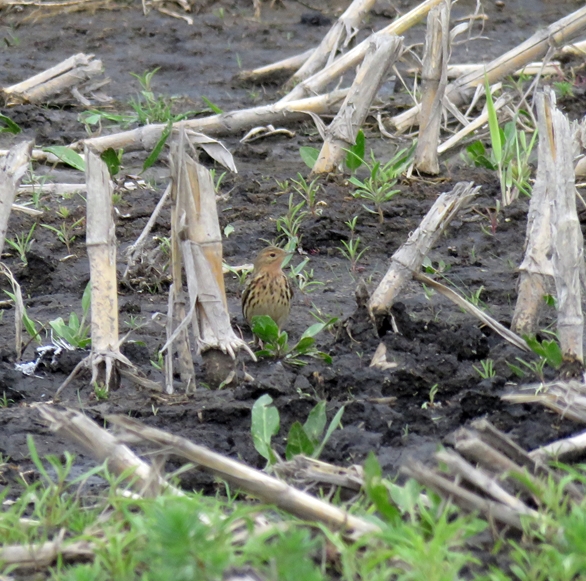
(272, 255)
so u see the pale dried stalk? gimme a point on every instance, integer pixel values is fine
(12, 168)
(341, 134)
(561, 450)
(283, 67)
(254, 482)
(317, 82)
(72, 71)
(407, 260)
(36, 155)
(576, 48)
(199, 237)
(473, 310)
(458, 466)
(224, 124)
(341, 33)
(105, 447)
(464, 498)
(566, 398)
(433, 84)
(101, 248)
(536, 270)
(552, 68)
(105, 359)
(567, 239)
(41, 555)
(532, 49)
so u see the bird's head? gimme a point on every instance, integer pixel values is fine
(269, 258)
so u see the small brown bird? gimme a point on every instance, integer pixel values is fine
(269, 291)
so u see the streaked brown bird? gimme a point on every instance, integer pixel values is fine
(269, 290)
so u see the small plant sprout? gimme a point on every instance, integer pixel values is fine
(350, 250)
(100, 391)
(510, 153)
(239, 272)
(159, 362)
(65, 232)
(22, 243)
(309, 191)
(76, 333)
(288, 225)
(377, 188)
(4, 401)
(229, 229)
(304, 277)
(276, 343)
(486, 369)
(282, 186)
(431, 401)
(217, 179)
(307, 439)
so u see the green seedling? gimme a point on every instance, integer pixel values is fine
(510, 153)
(304, 277)
(240, 273)
(307, 439)
(350, 250)
(217, 179)
(67, 156)
(7, 125)
(486, 370)
(22, 243)
(550, 350)
(28, 324)
(159, 362)
(308, 191)
(276, 342)
(65, 232)
(101, 391)
(288, 225)
(75, 333)
(431, 401)
(4, 401)
(533, 367)
(377, 188)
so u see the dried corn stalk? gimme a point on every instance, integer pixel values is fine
(105, 360)
(341, 134)
(12, 168)
(533, 48)
(341, 33)
(72, 72)
(409, 257)
(433, 85)
(536, 270)
(319, 81)
(224, 124)
(567, 239)
(196, 232)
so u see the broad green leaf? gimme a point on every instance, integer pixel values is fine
(356, 182)
(112, 160)
(154, 155)
(377, 492)
(86, 298)
(304, 344)
(331, 428)
(9, 125)
(355, 156)
(309, 155)
(212, 106)
(313, 330)
(30, 327)
(265, 328)
(265, 424)
(298, 442)
(74, 322)
(493, 125)
(316, 422)
(67, 155)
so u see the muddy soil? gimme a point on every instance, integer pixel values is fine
(437, 347)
